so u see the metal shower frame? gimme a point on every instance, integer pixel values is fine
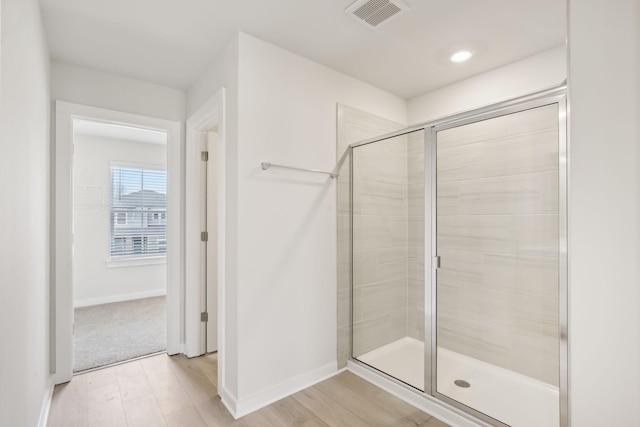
(555, 95)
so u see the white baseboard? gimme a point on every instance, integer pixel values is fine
(229, 401)
(46, 404)
(242, 407)
(428, 404)
(118, 298)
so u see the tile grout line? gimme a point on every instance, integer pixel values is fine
(495, 138)
(494, 177)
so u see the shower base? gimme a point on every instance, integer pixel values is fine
(512, 398)
(402, 359)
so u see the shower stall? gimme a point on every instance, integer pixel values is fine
(458, 287)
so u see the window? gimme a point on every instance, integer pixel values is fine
(121, 218)
(138, 212)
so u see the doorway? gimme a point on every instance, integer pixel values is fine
(119, 242)
(205, 228)
(208, 245)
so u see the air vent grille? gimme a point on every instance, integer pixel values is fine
(372, 13)
(370, 7)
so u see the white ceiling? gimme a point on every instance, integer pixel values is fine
(170, 42)
(120, 132)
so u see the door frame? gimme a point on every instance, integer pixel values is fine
(212, 113)
(62, 229)
(557, 96)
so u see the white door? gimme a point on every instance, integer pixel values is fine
(204, 338)
(212, 245)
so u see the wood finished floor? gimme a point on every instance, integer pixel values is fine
(176, 391)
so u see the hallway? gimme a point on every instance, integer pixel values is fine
(177, 391)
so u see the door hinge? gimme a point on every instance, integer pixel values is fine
(435, 262)
(204, 236)
(204, 155)
(204, 316)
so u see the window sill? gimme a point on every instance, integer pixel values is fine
(135, 262)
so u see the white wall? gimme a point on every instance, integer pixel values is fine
(221, 72)
(535, 73)
(287, 220)
(24, 215)
(86, 86)
(94, 281)
(281, 234)
(604, 212)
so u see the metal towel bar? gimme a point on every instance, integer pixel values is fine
(266, 165)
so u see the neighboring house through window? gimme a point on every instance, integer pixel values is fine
(138, 212)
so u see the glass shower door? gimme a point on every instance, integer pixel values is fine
(497, 236)
(387, 190)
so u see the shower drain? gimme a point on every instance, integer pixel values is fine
(462, 383)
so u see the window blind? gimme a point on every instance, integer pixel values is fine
(138, 212)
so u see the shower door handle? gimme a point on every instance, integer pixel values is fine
(435, 262)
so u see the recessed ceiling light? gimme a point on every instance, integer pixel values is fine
(461, 56)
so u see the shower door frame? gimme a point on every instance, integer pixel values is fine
(555, 95)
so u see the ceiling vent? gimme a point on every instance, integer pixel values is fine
(373, 13)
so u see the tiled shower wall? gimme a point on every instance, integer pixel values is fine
(380, 244)
(497, 231)
(384, 276)
(415, 214)
(497, 237)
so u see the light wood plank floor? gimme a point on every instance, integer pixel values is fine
(176, 391)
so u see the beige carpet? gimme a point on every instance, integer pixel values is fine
(119, 331)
